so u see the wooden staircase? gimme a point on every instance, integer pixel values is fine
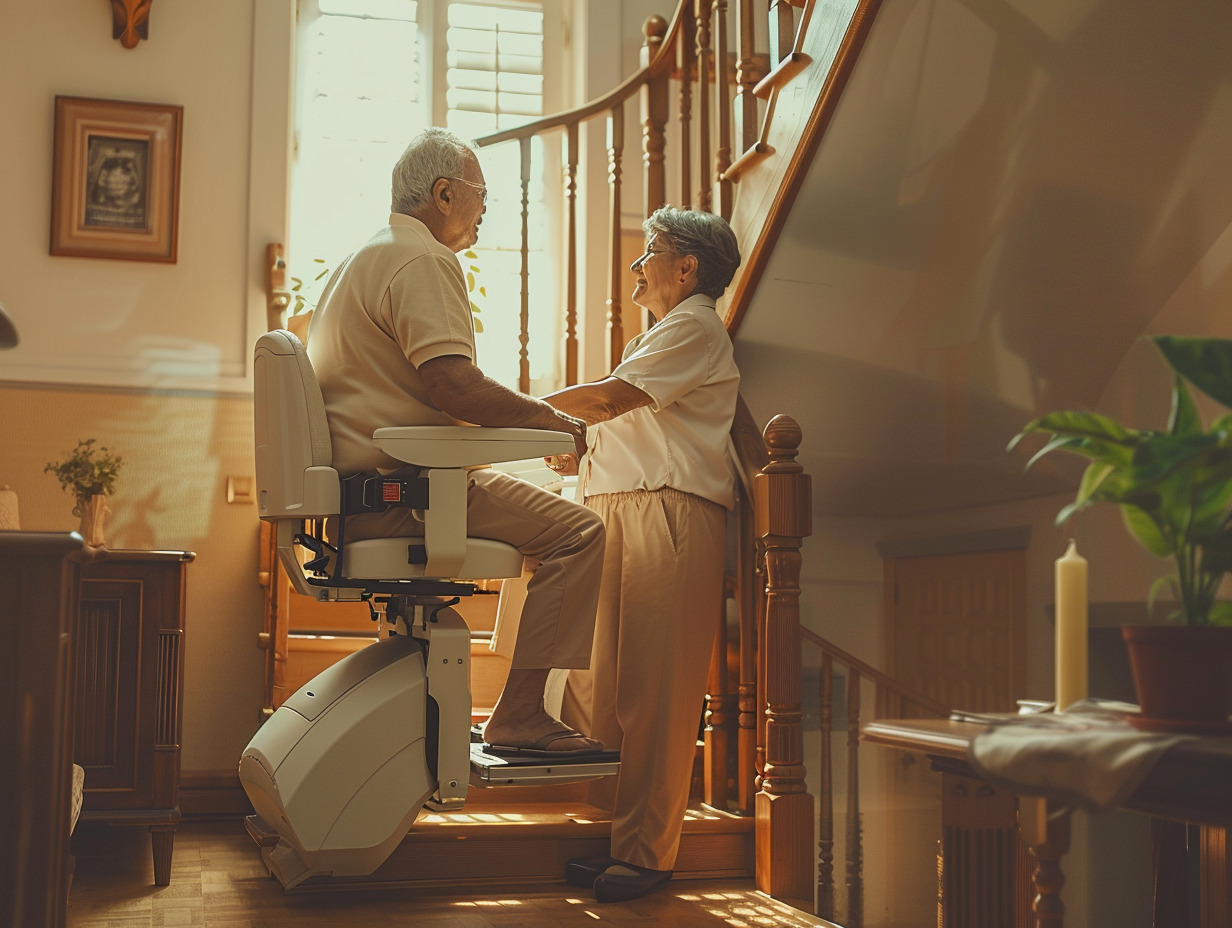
(522, 836)
(505, 836)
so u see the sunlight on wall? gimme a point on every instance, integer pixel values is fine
(178, 451)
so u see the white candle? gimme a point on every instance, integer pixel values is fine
(1071, 577)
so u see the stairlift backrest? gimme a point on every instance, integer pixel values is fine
(295, 478)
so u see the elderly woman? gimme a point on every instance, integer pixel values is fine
(658, 472)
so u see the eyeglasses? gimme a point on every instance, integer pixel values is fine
(646, 256)
(482, 188)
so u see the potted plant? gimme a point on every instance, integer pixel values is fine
(1174, 490)
(89, 473)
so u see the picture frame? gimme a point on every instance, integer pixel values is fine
(115, 183)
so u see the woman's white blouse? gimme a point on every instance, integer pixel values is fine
(684, 363)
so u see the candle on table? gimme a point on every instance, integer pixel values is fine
(1071, 670)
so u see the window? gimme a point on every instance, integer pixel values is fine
(370, 75)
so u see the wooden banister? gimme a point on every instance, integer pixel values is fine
(893, 700)
(881, 680)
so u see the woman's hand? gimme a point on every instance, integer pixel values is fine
(565, 465)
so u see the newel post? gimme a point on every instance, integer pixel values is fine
(782, 495)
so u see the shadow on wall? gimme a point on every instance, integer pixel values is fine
(879, 442)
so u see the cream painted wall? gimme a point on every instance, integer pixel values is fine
(178, 452)
(152, 359)
(126, 323)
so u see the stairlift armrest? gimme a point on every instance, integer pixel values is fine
(445, 522)
(468, 446)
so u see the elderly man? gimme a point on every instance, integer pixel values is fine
(393, 343)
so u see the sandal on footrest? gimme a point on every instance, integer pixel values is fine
(539, 747)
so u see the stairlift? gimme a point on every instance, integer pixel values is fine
(339, 773)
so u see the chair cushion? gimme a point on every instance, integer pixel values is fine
(386, 559)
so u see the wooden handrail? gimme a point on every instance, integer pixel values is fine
(660, 61)
(872, 674)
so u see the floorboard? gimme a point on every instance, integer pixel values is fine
(219, 881)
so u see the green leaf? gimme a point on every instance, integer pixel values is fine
(1220, 614)
(1092, 477)
(478, 326)
(1223, 426)
(1167, 580)
(475, 269)
(1145, 530)
(1161, 456)
(483, 291)
(1204, 362)
(1056, 443)
(470, 282)
(1184, 419)
(1089, 424)
(470, 253)
(1217, 553)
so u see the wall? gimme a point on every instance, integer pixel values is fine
(152, 359)
(1001, 209)
(178, 452)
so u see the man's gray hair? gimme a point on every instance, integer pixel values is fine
(433, 154)
(706, 236)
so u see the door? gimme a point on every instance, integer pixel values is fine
(957, 627)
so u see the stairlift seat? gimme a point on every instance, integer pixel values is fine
(386, 559)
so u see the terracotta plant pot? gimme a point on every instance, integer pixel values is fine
(1183, 675)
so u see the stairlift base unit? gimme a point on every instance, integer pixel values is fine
(340, 770)
(343, 768)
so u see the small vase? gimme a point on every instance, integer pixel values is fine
(93, 512)
(1183, 677)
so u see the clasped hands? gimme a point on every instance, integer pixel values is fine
(564, 465)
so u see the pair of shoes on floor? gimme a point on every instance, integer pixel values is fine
(614, 880)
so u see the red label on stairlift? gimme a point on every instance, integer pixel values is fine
(391, 492)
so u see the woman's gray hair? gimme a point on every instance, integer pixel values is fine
(433, 154)
(707, 237)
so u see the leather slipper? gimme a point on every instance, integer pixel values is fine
(623, 882)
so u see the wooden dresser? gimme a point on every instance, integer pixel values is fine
(129, 660)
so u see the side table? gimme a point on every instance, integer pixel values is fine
(129, 660)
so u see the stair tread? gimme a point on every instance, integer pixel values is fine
(575, 818)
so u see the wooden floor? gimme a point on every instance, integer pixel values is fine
(219, 881)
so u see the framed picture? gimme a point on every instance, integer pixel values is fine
(115, 181)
